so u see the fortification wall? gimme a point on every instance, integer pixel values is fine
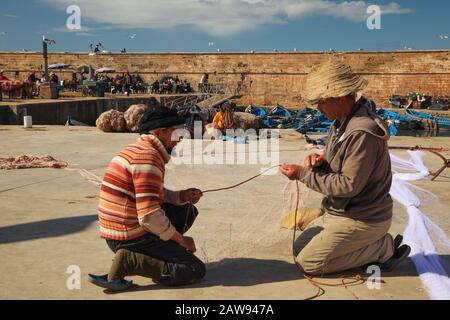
(267, 78)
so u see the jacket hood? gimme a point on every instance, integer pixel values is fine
(366, 120)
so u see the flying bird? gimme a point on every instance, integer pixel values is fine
(443, 37)
(210, 44)
(133, 36)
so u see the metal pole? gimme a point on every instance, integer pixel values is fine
(45, 53)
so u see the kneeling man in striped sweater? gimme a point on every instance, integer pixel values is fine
(144, 223)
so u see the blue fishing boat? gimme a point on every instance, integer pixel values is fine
(401, 122)
(392, 129)
(279, 117)
(311, 120)
(257, 111)
(442, 122)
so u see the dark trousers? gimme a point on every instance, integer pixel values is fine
(181, 266)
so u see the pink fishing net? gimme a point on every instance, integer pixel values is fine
(133, 115)
(29, 162)
(111, 121)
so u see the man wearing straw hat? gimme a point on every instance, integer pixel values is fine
(355, 176)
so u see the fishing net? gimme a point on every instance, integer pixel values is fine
(111, 121)
(30, 162)
(235, 231)
(133, 115)
(245, 220)
(421, 233)
(246, 120)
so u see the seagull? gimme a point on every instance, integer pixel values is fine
(443, 37)
(275, 50)
(218, 50)
(295, 49)
(210, 44)
(133, 36)
(49, 41)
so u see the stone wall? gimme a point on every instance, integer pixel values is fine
(268, 78)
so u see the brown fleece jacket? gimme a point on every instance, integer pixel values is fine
(356, 175)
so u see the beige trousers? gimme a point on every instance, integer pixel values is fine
(333, 244)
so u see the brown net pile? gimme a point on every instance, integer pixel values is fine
(30, 162)
(112, 121)
(133, 115)
(246, 121)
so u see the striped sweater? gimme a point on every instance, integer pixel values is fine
(133, 190)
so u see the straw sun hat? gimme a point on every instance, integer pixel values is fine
(333, 79)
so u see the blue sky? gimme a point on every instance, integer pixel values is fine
(228, 25)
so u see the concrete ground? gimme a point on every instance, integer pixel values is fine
(49, 223)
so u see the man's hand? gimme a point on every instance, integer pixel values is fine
(290, 170)
(186, 242)
(189, 244)
(191, 195)
(314, 160)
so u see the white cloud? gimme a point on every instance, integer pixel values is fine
(7, 15)
(64, 29)
(216, 17)
(85, 34)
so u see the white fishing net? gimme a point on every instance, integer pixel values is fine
(421, 233)
(240, 222)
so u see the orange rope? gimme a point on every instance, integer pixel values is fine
(320, 291)
(241, 183)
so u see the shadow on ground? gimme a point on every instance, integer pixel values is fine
(45, 229)
(238, 272)
(244, 272)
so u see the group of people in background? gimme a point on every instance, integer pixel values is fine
(171, 86)
(124, 83)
